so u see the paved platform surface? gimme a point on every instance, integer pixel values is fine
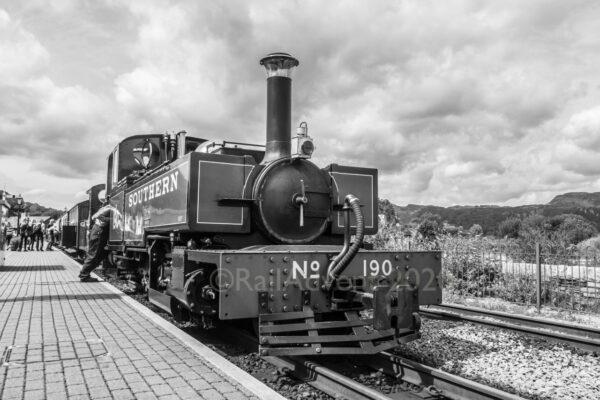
(60, 338)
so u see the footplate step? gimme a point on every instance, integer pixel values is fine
(304, 333)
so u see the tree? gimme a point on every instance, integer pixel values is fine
(509, 228)
(430, 226)
(475, 230)
(569, 229)
(533, 229)
(386, 208)
(591, 244)
(451, 229)
(557, 232)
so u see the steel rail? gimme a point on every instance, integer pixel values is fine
(328, 381)
(436, 381)
(324, 379)
(582, 337)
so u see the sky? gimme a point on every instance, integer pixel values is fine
(455, 102)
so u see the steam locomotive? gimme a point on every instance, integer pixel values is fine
(233, 231)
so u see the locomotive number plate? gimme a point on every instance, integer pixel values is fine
(311, 269)
(375, 267)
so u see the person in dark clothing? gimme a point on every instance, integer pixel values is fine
(3, 236)
(30, 237)
(38, 236)
(51, 237)
(98, 239)
(23, 233)
(8, 234)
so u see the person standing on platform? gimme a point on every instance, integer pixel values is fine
(4, 231)
(42, 234)
(38, 236)
(23, 234)
(9, 234)
(97, 242)
(51, 228)
(30, 236)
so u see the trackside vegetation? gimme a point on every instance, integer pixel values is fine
(559, 253)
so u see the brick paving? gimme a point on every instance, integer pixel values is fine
(63, 339)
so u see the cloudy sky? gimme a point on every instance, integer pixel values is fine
(456, 102)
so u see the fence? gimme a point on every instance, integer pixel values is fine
(541, 277)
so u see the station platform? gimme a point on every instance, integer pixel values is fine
(63, 339)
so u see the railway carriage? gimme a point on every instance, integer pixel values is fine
(74, 224)
(218, 230)
(68, 227)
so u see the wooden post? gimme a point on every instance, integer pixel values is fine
(538, 266)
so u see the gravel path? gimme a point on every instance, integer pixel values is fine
(517, 363)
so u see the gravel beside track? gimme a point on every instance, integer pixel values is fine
(517, 363)
(580, 336)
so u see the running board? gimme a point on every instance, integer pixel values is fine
(297, 333)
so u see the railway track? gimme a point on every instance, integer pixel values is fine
(322, 378)
(582, 337)
(435, 381)
(333, 383)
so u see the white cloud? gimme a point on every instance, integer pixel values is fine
(45, 128)
(34, 192)
(583, 129)
(22, 54)
(455, 102)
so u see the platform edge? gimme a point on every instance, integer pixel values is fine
(237, 374)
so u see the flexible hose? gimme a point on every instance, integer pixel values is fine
(342, 263)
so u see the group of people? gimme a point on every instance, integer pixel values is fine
(29, 235)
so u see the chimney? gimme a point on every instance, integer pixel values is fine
(279, 105)
(181, 144)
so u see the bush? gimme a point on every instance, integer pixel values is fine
(430, 226)
(517, 288)
(475, 230)
(509, 228)
(389, 236)
(589, 245)
(556, 234)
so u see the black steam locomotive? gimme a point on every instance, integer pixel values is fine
(230, 231)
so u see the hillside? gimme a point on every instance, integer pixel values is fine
(490, 216)
(34, 209)
(577, 199)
